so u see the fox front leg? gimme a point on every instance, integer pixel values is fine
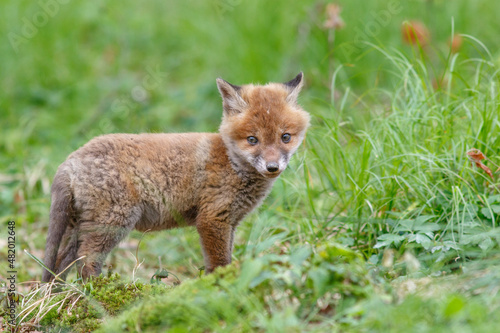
(216, 238)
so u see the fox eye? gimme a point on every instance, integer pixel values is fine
(252, 140)
(286, 138)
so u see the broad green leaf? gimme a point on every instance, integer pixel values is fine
(298, 256)
(320, 278)
(423, 240)
(454, 306)
(388, 239)
(486, 212)
(494, 199)
(250, 270)
(486, 244)
(404, 225)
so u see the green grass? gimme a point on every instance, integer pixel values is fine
(383, 171)
(281, 293)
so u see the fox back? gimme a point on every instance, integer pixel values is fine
(120, 182)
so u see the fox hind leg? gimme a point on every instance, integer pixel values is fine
(95, 242)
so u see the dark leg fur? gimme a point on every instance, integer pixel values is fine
(216, 240)
(95, 243)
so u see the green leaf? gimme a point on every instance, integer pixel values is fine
(423, 218)
(320, 278)
(265, 275)
(486, 244)
(410, 238)
(388, 239)
(298, 256)
(332, 250)
(404, 225)
(454, 306)
(424, 240)
(494, 199)
(421, 224)
(250, 270)
(487, 213)
(470, 209)
(373, 259)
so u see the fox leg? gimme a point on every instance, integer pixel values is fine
(96, 240)
(216, 238)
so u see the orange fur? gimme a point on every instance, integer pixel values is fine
(119, 182)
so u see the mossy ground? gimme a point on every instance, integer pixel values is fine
(279, 293)
(78, 307)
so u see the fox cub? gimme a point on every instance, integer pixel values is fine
(120, 182)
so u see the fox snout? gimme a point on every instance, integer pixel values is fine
(272, 167)
(273, 162)
(271, 170)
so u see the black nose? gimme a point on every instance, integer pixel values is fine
(272, 167)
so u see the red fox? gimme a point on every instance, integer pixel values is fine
(120, 182)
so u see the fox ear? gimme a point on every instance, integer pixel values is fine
(294, 86)
(231, 99)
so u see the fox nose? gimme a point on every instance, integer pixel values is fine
(272, 167)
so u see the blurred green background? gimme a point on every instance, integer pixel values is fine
(384, 161)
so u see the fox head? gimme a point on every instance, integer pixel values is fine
(262, 126)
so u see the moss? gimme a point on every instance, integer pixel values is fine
(114, 294)
(207, 303)
(100, 298)
(84, 316)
